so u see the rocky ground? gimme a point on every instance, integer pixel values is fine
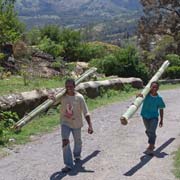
(113, 152)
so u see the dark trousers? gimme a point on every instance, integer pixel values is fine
(151, 126)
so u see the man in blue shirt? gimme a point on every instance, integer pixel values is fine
(152, 107)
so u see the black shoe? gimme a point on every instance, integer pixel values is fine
(66, 169)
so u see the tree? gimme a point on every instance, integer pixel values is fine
(10, 27)
(161, 17)
(52, 32)
(123, 63)
(70, 40)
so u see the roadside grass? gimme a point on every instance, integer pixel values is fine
(3, 153)
(37, 127)
(168, 86)
(177, 164)
(15, 84)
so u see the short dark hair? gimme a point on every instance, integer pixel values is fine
(155, 82)
(70, 80)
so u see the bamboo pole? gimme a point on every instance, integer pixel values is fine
(138, 101)
(46, 104)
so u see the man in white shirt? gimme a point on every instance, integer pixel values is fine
(73, 108)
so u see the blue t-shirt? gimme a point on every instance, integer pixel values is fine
(151, 106)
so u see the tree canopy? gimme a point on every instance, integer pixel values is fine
(11, 27)
(161, 17)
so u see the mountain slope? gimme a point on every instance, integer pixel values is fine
(75, 13)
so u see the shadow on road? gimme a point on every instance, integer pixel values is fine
(78, 167)
(146, 158)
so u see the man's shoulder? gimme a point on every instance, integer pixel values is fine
(159, 96)
(79, 95)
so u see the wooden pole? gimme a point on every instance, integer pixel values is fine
(46, 104)
(138, 101)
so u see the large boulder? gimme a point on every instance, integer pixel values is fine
(93, 88)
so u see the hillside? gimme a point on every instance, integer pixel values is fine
(82, 13)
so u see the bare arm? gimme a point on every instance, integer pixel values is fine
(161, 117)
(88, 119)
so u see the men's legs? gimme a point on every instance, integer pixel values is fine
(67, 154)
(147, 126)
(152, 131)
(77, 143)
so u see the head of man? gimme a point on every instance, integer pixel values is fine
(154, 87)
(70, 86)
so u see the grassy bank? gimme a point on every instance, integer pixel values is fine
(177, 163)
(19, 84)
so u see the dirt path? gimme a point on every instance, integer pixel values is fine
(113, 152)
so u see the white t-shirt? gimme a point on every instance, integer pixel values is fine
(72, 110)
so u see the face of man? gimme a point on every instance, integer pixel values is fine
(154, 88)
(70, 88)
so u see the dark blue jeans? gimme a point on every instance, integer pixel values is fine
(151, 126)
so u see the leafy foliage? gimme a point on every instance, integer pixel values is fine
(49, 46)
(2, 56)
(173, 71)
(33, 36)
(177, 163)
(57, 42)
(174, 59)
(11, 27)
(52, 32)
(91, 50)
(7, 119)
(124, 63)
(159, 31)
(160, 18)
(70, 40)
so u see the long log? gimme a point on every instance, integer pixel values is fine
(138, 101)
(46, 104)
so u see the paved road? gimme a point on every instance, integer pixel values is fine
(113, 152)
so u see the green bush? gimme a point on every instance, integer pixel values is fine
(165, 46)
(173, 72)
(52, 32)
(49, 46)
(33, 36)
(7, 120)
(59, 64)
(87, 51)
(174, 59)
(93, 50)
(127, 88)
(2, 56)
(123, 63)
(11, 28)
(70, 41)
